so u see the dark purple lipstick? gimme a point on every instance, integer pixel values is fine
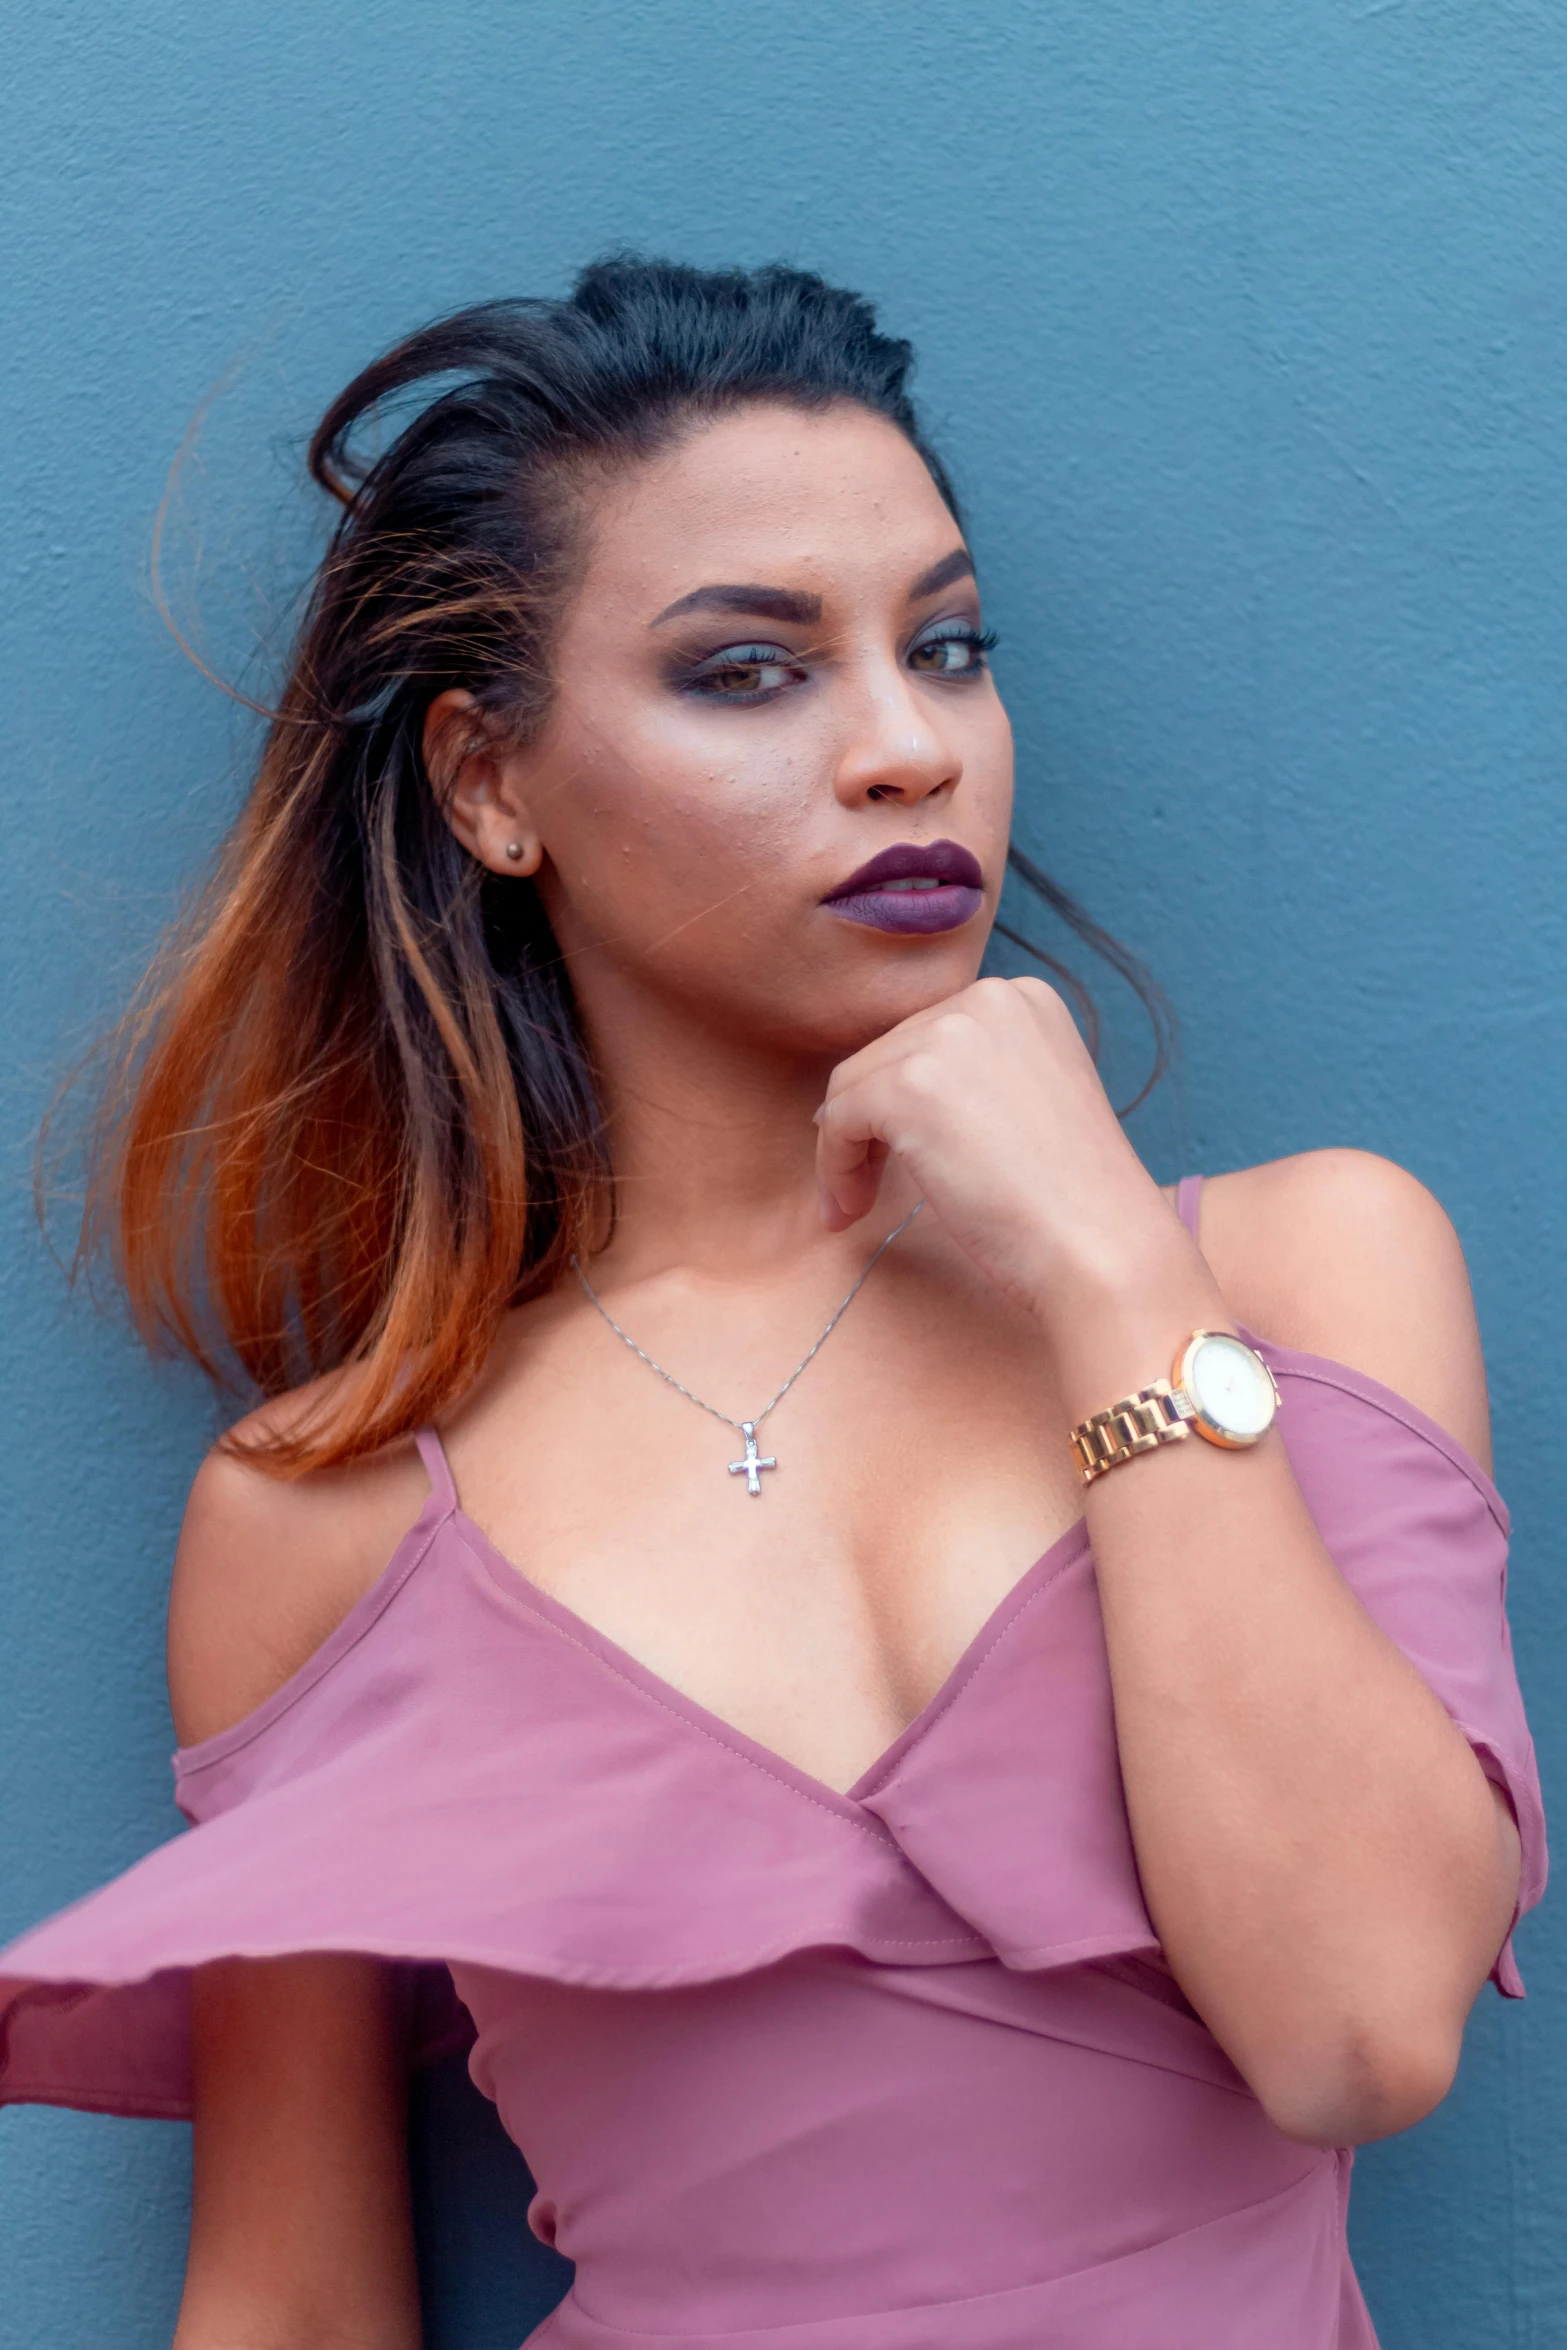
(912, 890)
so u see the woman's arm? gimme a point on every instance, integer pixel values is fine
(1329, 1871)
(301, 2237)
(300, 2229)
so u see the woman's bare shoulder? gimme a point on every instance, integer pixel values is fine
(267, 1567)
(1341, 1253)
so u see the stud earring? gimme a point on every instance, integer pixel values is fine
(514, 851)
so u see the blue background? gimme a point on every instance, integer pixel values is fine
(1243, 327)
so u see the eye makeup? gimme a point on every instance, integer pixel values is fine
(756, 671)
(953, 639)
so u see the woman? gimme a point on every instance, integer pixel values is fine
(872, 1939)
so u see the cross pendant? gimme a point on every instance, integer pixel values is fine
(752, 1464)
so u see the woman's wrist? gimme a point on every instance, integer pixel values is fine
(1114, 1318)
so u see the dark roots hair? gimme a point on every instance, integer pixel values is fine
(350, 1118)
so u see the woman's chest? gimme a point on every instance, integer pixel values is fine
(814, 1587)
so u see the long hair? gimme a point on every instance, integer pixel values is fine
(350, 1118)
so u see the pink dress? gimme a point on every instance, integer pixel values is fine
(900, 2069)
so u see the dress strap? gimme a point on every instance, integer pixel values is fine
(437, 1467)
(1188, 1202)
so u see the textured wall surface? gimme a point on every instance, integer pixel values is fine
(1244, 328)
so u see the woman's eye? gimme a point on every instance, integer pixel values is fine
(745, 673)
(959, 653)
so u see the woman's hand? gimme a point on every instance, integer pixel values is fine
(1328, 1870)
(992, 1103)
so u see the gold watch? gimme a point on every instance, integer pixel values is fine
(1220, 1388)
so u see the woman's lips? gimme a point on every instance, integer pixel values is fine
(921, 911)
(912, 889)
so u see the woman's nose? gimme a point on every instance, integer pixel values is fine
(897, 749)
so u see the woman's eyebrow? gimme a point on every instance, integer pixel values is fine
(791, 605)
(764, 603)
(958, 565)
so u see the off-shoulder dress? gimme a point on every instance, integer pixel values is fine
(897, 2069)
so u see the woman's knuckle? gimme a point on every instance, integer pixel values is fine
(1041, 996)
(922, 1074)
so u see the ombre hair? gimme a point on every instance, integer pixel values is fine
(350, 1118)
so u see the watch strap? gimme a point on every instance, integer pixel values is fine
(1157, 1414)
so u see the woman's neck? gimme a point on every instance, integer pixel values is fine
(714, 1149)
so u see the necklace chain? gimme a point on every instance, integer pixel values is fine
(745, 1426)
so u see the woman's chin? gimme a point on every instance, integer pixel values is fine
(864, 1005)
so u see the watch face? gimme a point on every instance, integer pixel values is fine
(1230, 1386)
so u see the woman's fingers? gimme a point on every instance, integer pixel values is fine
(888, 1096)
(958, 1092)
(992, 1106)
(851, 1153)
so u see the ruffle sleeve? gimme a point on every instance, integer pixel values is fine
(464, 1772)
(1421, 1534)
(467, 1774)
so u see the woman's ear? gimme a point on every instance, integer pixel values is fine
(476, 773)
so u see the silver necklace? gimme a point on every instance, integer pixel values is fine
(753, 1464)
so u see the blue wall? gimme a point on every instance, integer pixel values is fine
(1244, 324)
